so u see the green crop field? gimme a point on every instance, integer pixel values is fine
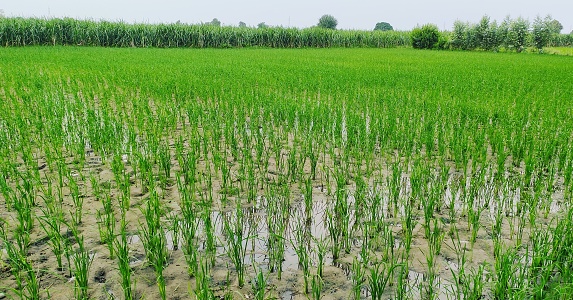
(285, 173)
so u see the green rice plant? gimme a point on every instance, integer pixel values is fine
(509, 274)
(321, 248)
(122, 180)
(82, 260)
(164, 163)
(474, 216)
(77, 199)
(394, 183)
(236, 242)
(23, 206)
(342, 213)
(358, 274)
(259, 285)
(210, 245)
(403, 289)
(317, 284)
(189, 225)
(408, 223)
(436, 235)
(308, 197)
(106, 224)
(51, 224)
(301, 247)
(334, 234)
(203, 280)
(7, 191)
(175, 230)
(28, 286)
(154, 241)
(123, 256)
(379, 277)
(16, 265)
(277, 206)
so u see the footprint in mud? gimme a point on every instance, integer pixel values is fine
(100, 276)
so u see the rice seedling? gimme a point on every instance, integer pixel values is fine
(154, 241)
(259, 285)
(106, 224)
(123, 256)
(77, 200)
(27, 283)
(379, 277)
(203, 280)
(321, 249)
(317, 285)
(51, 224)
(82, 260)
(236, 241)
(358, 278)
(301, 246)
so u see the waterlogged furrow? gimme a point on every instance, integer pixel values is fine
(280, 173)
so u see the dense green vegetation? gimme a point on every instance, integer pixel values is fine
(35, 32)
(510, 35)
(384, 167)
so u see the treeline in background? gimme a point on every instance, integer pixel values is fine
(510, 35)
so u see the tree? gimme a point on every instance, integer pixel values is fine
(425, 37)
(242, 24)
(384, 26)
(327, 21)
(555, 26)
(262, 25)
(459, 35)
(503, 31)
(1, 13)
(517, 34)
(541, 32)
(215, 22)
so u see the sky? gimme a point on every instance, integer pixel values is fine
(356, 14)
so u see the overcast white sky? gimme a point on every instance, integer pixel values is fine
(356, 14)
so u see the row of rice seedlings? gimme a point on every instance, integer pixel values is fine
(122, 251)
(236, 240)
(301, 246)
(106, 224)
(423, 193)
(277, 215)
(51, 222)
(82, 261)
(27, 282)
(154, 240)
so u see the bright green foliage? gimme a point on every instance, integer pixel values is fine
(517, 35)
(425, 37)
(511, 34)
(541, 32)
(28, 32)
(327, 22)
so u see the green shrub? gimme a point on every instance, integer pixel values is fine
(425, 37)
(444, 42)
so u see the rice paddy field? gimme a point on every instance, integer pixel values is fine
(285, 174)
